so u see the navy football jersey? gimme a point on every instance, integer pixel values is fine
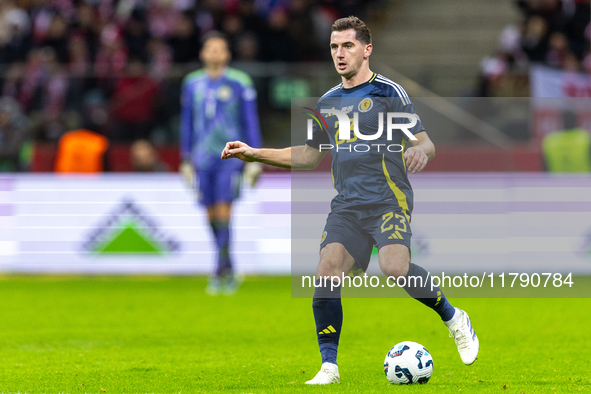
(367, 172)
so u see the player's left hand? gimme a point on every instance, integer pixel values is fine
(415, 159)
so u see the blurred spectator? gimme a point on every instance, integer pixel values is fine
(184, 41)
(15, 134)
(111, 58)
(79, 67)
(160, 58)
(13, 79)
(209, 16)
(534, 39)
(301, 27)
(57, 38)
(558, 49)
(79, 57)
(568, 150)
(550, 11)
(278, 44)
(251, 21)
(163, 17)
(510, 41)
(266, 7)
(578, 27)
(493, 71)
(94, 111)
(105, 9)
(34, 72)
(42, 93)
(247, 48)
(133, 103)
(571, 63)
(232, 27)
(54, 93)
(41, 16)
(87, 25)
(15, 41)
(144, 158)
(137, 36)
(587, 62)
(81, 151)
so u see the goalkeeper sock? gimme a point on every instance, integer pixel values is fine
(432, 297)
(212, 224)
(222, 231)
(328, 315)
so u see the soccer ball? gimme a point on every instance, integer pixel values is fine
(408, 362)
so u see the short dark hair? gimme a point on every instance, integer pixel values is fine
(362, 33)
(215, 34)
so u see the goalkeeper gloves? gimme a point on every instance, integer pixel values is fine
(189, 175)
(252, 172)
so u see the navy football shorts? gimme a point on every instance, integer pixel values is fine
(358, 230)
(218, 186)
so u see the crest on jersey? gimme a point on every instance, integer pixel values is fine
(365, 105)
(224, 92)
(323, 237)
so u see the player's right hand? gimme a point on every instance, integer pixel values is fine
(239, 150)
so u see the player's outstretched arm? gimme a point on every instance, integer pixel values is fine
(298, 157)
(420, 153)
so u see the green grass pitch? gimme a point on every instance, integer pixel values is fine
(164, 335)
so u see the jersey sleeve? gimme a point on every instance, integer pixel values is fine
(410, 109)
(400, 102)
(186, 123)
(319, 132)
(404, 104)
(250, 116)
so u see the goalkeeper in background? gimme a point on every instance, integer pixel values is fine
(218, 104)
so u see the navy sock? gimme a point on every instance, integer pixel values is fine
(214, 230)
(222, 236)
(328, 315)
(434, 299)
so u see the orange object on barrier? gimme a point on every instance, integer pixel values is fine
(81, 151)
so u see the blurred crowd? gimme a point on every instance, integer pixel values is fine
(556, 33)
(114, 66)
(100, 34)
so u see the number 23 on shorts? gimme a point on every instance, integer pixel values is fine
(398, 218)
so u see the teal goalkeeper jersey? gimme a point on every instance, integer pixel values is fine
(215, 111)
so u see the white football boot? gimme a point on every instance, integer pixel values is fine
(213, 286)
(231, 284)
(460, 328)
(329, 374)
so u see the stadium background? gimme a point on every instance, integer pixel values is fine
(491, 79)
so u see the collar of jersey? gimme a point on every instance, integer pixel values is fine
(360, 86)
(220, 77)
